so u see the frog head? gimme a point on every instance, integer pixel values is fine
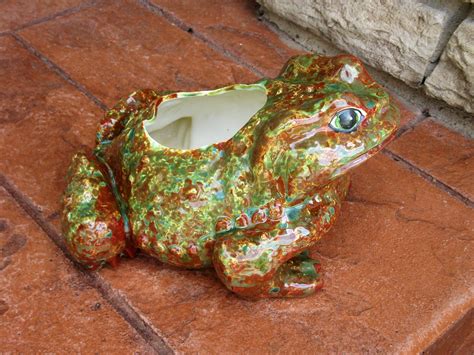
(332, 117)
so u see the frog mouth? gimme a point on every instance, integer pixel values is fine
(364, 156)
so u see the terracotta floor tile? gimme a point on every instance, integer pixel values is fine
(14, 13)
(415, 243)
(233, 24)
(398, 272)
(442, 153)
(44, 304)
(44, 122)
(397, 264)
(119, 47)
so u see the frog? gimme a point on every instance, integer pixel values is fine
(251, 203)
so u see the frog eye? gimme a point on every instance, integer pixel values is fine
(347, 120)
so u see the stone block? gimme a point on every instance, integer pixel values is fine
(452, 80)
(401, 37)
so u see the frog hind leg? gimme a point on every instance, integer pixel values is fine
(93, 227)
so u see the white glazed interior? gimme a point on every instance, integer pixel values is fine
(194, 120)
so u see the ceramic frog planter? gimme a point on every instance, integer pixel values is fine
(244, 179)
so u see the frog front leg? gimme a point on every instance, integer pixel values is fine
(262, 262)
(92, 223)
(267, 263)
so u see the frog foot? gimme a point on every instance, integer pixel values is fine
(268, 265)
(297, 277)
(93, 225)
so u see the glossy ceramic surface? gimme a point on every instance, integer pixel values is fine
(249, 206)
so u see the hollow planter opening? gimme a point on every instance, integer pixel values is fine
(199, 119)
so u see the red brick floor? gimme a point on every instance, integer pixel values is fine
(398, 265)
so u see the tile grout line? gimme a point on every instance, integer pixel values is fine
(200, 36)
(69, 11)
(58, 70)
(409, 126)
(434, 181)
(453, 328)
(118, 302)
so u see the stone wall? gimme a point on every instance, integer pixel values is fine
(426, 43)
(453, 78)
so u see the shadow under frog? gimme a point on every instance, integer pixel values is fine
(245, 183)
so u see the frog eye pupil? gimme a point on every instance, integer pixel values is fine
(347, 120)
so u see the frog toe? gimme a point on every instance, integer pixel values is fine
(297, 277)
